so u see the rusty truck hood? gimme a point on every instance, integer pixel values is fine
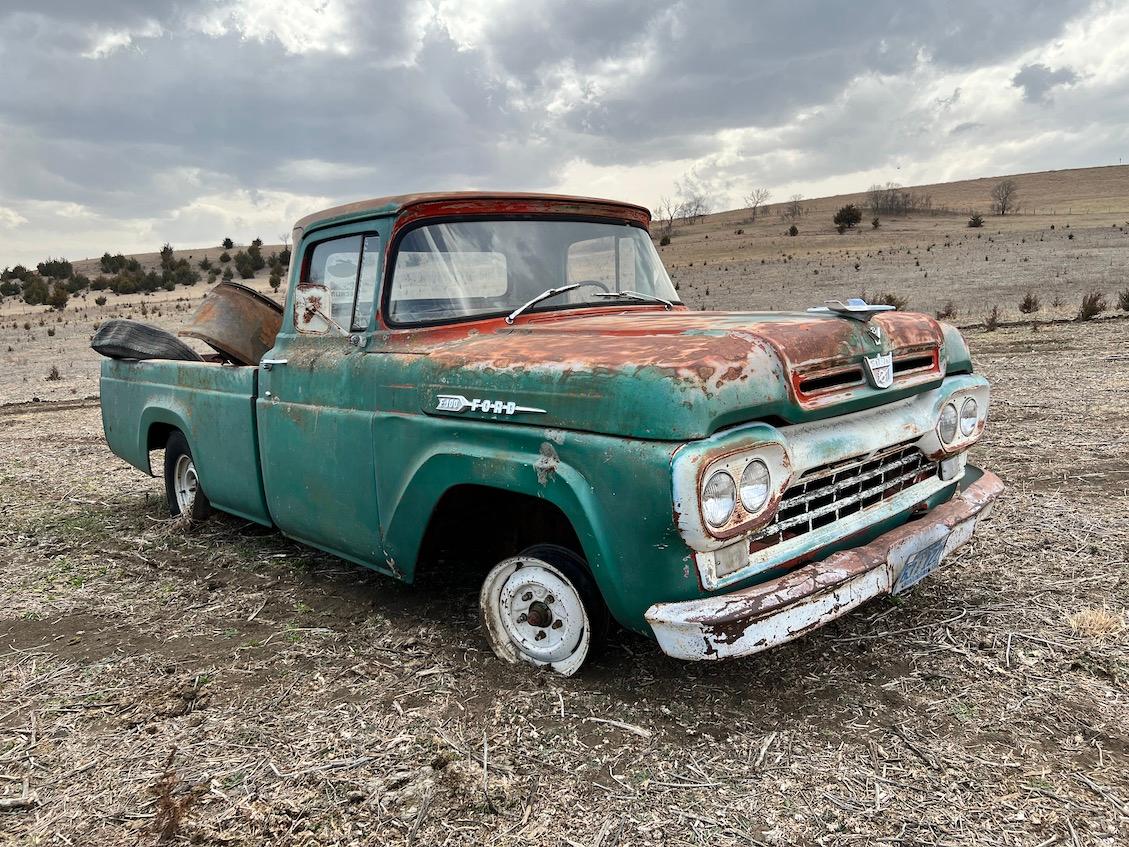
(678, 374)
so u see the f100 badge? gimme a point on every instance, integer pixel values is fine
(881, 368)
(459, 403)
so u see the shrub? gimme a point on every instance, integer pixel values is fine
(245, 265)
(53, 374)
(205, 264)
(1093, 304)
(9, 288)
(1030, 303)
(227, 244)
(947, 312)
(228, 276)
(257, 260)
(167, 256)
(664, 241)
(35, 291)
(992, 322)
(1123, 299)
(275, 279)
(225, 257)
(284, 256)
(793, 230)
(874, 224)
(841, 228)
(55, 268)
(847, 216)
(58, 297)
(896, 300)
(976, 220)
(258, 242)
(1070, 236)
(100, 300)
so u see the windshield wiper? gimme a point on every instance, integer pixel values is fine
(544, 295)
(636, 295)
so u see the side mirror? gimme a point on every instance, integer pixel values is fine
(312, 308)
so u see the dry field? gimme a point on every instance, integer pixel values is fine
(302, 700)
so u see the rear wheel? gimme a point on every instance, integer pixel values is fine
(183, 491)
(542, 607)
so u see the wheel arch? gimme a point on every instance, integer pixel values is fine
(561, 500)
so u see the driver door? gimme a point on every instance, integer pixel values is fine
(315, 417)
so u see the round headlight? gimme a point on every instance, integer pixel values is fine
(968, 416)
(947, 426)
(719, 497)
(755, 481)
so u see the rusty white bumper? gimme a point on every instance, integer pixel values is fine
(757, 618)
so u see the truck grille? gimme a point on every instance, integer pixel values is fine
(825, 494)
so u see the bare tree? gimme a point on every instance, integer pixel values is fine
(284, 237)
(694, 200)
(794, 208)
(755, 199)
(666, 213)
(1004, 195)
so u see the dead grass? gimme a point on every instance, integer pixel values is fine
(313, 702)
(1098, 623)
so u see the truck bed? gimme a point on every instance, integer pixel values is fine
(212, 404)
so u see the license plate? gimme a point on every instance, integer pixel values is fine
(920, 565)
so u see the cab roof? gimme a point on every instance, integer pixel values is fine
(471, 202)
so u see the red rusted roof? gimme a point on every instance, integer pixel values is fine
(398, 202)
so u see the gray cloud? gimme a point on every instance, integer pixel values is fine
(144, 111)
(1037, 80)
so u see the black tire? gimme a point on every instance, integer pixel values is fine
(125, 339)
(576, 569)
(177, 452)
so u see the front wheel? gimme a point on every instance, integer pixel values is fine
(542, 607)
(183, 492)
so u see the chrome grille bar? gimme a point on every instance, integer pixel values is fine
(827, 493)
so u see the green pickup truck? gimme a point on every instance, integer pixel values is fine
(510, 381)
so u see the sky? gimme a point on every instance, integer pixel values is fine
(128, 123)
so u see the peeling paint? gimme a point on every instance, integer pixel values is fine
(547, 463)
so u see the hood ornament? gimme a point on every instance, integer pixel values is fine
(855, 308)
(875, 332)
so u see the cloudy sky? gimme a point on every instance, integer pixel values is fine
(127, 123)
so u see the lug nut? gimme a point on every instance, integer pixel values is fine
(527, 596)
(522, 618)
(540, 636)
(550, 599)
(557, 624)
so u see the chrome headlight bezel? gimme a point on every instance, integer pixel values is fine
(777, 465)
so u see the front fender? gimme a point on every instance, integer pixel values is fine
(614, 492)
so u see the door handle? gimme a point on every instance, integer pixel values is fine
(270, 363)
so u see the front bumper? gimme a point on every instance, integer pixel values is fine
(754, 619)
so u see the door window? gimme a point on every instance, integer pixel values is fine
(340, 284)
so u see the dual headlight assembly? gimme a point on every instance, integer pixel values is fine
(721, 493)
(952, 420)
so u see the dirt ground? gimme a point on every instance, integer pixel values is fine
(302, 700)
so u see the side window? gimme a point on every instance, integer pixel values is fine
(340, 285)
(607, 260)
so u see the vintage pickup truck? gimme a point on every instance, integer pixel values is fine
(510, 380)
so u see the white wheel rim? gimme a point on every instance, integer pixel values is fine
(534, 614)
(185, 483)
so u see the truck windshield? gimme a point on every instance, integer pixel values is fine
(469, 269)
